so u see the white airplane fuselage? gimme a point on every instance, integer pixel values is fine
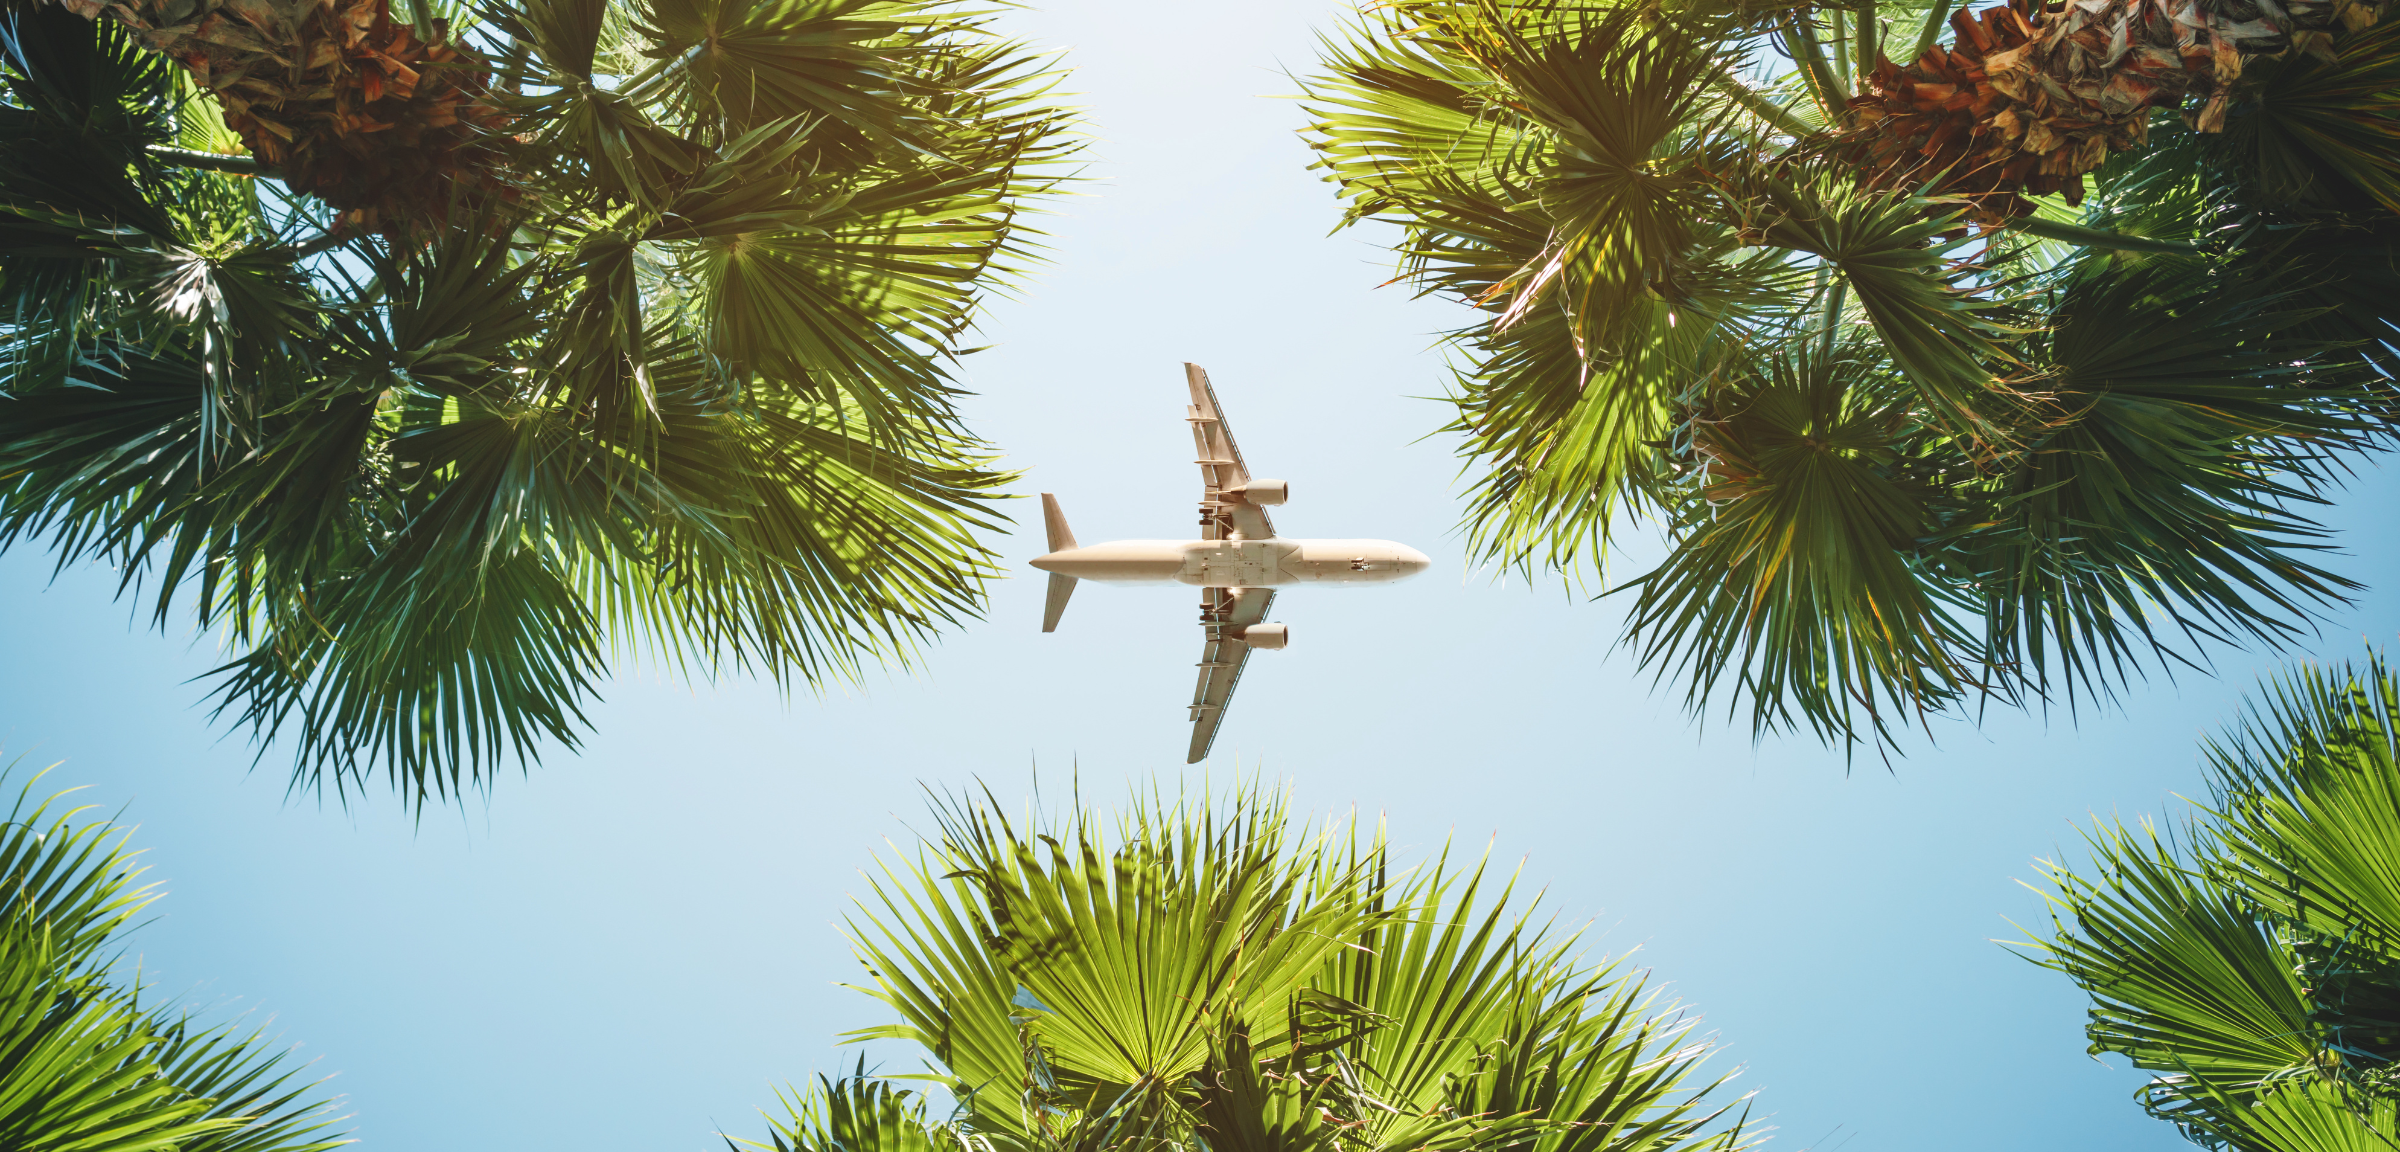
(1239, 562)
(1265, 563)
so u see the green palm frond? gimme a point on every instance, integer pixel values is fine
(2310, 791)
(2347, 269)
(1794, 573)
(1204, 974)
(2166, 496)
(2253, 964)
(1938, 325)
(2295, 1116)
(83, 1066)
(432, 679)
(2185, 976)
(76, 1073)
(1481, 1014)
(1123, 962)
(1552, 168)
(1268, 1105)
(255, 1099)
(2324, 132)
(855, 1114)
(1576, 446)
(676, 375)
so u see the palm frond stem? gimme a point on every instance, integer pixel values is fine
(1936, 18)
(1799, 34)
(1758, 104)
(2100, 238)
(207, 161)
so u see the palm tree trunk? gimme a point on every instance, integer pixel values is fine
(336, 97)
(2032, 96)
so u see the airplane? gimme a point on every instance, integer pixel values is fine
(1238, 562)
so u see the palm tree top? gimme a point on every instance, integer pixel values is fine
(1957, 373)
(618, 328)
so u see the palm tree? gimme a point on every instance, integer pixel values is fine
(433, 356)
(83, 1065)
(2254, 960)
(1209, 976)
(1929, 423)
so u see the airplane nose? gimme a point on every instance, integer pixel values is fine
(1413, 561)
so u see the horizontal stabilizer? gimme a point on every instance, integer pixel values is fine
(1061, 587)
(1054, 521)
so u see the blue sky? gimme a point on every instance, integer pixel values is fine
(630, 948)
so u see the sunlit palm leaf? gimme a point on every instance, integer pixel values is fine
(2255, 967)
(2310, 789)
(1574, 445)
(2296, 1116)
(2185, 977)
(83, 1067)
(1550, 167)
(1481, 1015)
(854, 1114)
(1205, 973)
(1132, 957)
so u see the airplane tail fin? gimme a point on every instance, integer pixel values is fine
(1061, 536)
(1061, 587)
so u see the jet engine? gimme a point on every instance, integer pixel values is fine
(1268, 636)
(1265, 491)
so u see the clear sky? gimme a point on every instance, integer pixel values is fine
(628, 949)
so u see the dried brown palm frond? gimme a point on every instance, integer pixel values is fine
(2031, 96)
(340, 100)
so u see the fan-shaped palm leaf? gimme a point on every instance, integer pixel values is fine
(2255, 967)
(855, 1114)
(83, 1067)
(1205, 975)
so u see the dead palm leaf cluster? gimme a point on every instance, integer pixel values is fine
(2029, 97)
(1722, 273)
(338, 99)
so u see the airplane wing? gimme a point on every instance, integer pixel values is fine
(1222, 656)
(1221, 467)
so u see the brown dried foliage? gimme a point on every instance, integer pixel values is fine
(2032, 96)
(338, 99)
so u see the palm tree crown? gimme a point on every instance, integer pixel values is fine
(433, 357)
(1206, 976)
(1929, 422)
